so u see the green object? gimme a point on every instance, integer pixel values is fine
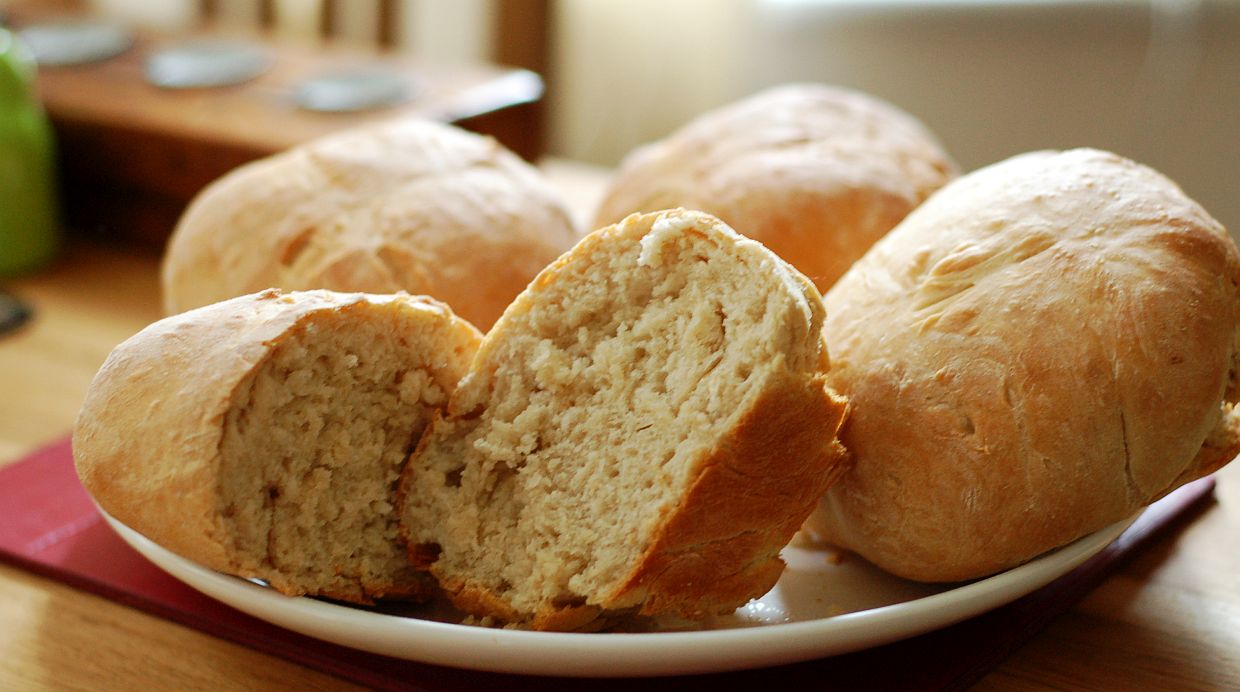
(29, 233)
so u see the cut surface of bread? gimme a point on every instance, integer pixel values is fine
(264, 436)
(1041, 349)
(643, 430)
(816, 173)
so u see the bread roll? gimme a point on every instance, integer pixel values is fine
(815, 173)
(263, 436)
(643, 430)
(1042, 348)
(404, 206)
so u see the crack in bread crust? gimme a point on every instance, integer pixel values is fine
(1090, 353)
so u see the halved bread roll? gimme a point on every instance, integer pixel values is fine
(1042, 348)
(263, 436)
(644, 429)
(815, 173)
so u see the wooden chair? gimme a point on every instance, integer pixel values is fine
(519, 34)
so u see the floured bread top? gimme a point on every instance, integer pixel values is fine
(408, 205)
(1040, 349)
(815, 173)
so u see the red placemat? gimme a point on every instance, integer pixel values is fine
(49, 526)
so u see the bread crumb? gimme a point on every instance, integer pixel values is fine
(662, 230)
(475, 621)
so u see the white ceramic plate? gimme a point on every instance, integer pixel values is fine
(824, 604)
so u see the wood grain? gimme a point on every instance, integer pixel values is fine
(55, 637)
(1169, 620)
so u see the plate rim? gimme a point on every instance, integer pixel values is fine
(570, 654)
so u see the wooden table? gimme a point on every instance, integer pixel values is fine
(1169, 620)
(132, 155)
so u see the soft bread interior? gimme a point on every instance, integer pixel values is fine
(575, 437)
(313, 445)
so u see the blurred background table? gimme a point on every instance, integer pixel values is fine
(133, 154)
(1168, 620)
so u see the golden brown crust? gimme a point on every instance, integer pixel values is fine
(720, 545)
(482, 602)
(402, 206)
(1221, 446)
(1038, 351)
(147, 439)
(815, 173)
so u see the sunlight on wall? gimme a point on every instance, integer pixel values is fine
(169, 14)
(628, 72)
(1155, 80)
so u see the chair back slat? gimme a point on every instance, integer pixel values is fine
(366, 21)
